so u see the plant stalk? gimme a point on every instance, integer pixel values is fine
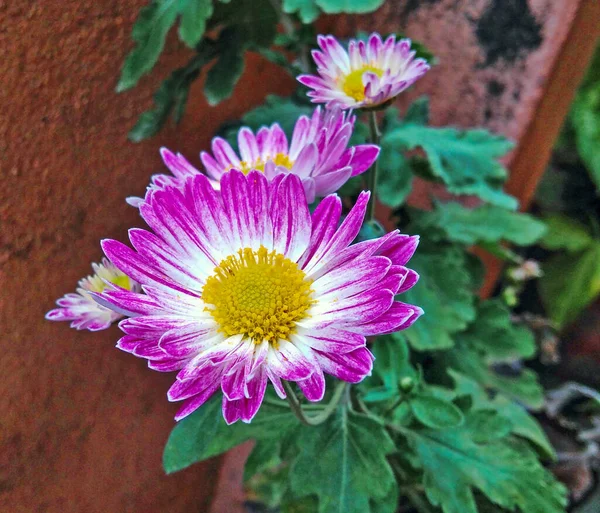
(372, 173)
(319, 418)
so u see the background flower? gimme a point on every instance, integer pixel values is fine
(245, 287)
(81, 309)
(318, 154)
(368, 75)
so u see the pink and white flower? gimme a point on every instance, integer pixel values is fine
(368, 75)
(81, 309)
(318, 154)
(244, 286)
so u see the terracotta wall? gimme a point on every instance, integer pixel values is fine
(82, 425)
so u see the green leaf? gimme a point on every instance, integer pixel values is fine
(585, 119)
(336, 459)
(466, 161)
(434, 412)
(565, 233)
(205, 434)
(445, 293)
(265, 455)
(395, 177)
(418, 112)
(494, 334)
(254, 20)
(506, 471)
(487, 223)
(149, 33)
(487, 426)
(389, 504)
(570, 283)
(307, 9)
(171, 96)
(523, 424)
(393, 366)
(222, 77)
(275, 110)
(522, 386)
(349, 6)
(194, 15)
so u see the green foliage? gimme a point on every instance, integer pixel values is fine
(585, 119)
(308, 10)
(571, 281)
(171, 97)
(505, 470)
(224, 74)
(446, 294)
(487, 223)
(276, 109)
(434, 412)
(194, 15)
(465, 161)
(149, 33)
(205, 434)
(565, 233)
(335, 458)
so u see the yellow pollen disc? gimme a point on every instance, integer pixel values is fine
(281, 159)
(121, 281)
(353, 83)
(259, 294)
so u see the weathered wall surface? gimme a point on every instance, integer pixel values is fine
(82, 425)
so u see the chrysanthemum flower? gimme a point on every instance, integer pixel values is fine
(244, 287)
(318, 153)
(368, 75)
(81, 309)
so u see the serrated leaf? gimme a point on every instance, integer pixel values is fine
(205, 434)
(570, 283)
(434, 412)
(521, 385)
(506, 471)
(335, 459)
(565, 233)
(494, 334)
(523, 424)
(194, 15)
(149, 33)
(224, 74)
(466, 161)
(445, 293)
(486, 223)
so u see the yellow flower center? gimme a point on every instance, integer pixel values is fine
(259, 294)
(353, 82)
(281, 159)
(95, 284)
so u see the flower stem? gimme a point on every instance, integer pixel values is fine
(372, 176)
(310, 420)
